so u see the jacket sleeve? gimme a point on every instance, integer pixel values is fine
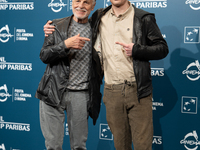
(155, 47)
(52, 51)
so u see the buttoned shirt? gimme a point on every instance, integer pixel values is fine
(117, 66)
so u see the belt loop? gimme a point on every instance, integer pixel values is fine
(111, 87)
(125, 81)
(123, 87)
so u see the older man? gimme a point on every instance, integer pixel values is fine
(71, 81)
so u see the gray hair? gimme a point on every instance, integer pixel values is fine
(94, 1)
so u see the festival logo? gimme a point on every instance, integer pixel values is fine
(191, 35)
(192, 71)
(189, 105)
(20, 95)
(56, 6)
(4, 93)
(5, 34)
(194, 4)
(22, 35)
(190, 141)
(156, 104)
(17, 94)
(4, 5)
(19, 34)
(105, 133)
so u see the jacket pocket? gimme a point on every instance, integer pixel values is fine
(44, 85)
(48, 90)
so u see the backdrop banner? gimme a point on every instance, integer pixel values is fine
(176, 79)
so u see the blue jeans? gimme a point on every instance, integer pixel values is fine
(52, 121)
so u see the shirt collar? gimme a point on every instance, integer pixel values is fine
(125, 13)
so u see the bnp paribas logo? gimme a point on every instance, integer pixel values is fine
(149, 3)
(14, 6)
(143, 3)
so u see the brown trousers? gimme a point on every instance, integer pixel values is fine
(130, 120)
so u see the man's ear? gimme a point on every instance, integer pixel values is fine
(93, 6)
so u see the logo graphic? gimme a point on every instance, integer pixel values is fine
(192, 75)
(191, 35)
(17, 94)
(4, 96)
(22, 35)
(14, 66)
(2, 147)
(56, 7)
(189, 105)
(143, 3)
(16, 5)
(149, 3)
(13, 125)
(19, 35)
(194, 4)
(105, 133)
(4, 37)
(190, 141)
(157, 140)
(157, 71)
(156, 104)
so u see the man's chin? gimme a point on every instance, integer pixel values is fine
(81, 17)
